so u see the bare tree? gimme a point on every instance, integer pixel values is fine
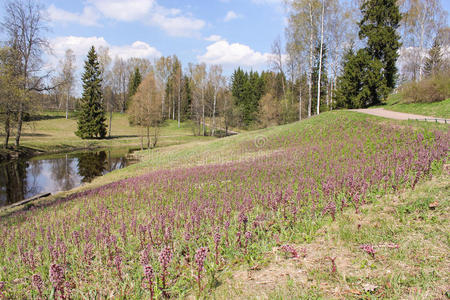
(276, 61)
(104, 60)
(421, 23)
(198, 75)
(217, 81)
(163, 69)
(23, 24)
(145, 109)
(68, 76)
(120, 81)
(320, 57)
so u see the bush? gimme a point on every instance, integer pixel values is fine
(433, 89)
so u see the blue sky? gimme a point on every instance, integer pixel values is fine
(227, 32)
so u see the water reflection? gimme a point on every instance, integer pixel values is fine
(21, 179)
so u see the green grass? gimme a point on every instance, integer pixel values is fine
(416, 269)
(52, 132)
(439, 109)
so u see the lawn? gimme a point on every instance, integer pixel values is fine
(214, 219)
(439, 109)
(52, 132)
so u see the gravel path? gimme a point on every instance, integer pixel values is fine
(381, 112)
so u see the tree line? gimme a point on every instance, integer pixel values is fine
(337, 54)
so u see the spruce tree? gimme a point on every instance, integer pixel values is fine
(434, 60)
(135, 81)
(381, 19)
(362, 83)
(91, 122)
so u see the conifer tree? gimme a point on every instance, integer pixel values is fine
(135, 81)
(91, 122)
(434, 60)
(381, 19)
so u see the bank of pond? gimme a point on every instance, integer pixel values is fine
(27, 177)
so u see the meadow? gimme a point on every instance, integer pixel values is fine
(49, 131)
(187, 219)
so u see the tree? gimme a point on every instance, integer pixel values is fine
(319, 74)
(24, 25)
(434, 60)
(302, 31)
(145, 108)
(10, 88)
(422, 21)
(108, 90)
(163, 68)
(362, 83)
(379, 24)
(91, 122)
(67, 76)
(120, 82)
(217, 81)
(198, 76)
(319, 83)
(134, 82)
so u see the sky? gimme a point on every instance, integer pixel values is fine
(227, 32)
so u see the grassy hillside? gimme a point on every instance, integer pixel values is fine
(439, 109)
(197, 219)
(52, 132)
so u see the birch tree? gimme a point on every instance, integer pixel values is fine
(163, 68)
(24, 26)
(68, 76)
(217, 81)
(422, 20)
(302, 31)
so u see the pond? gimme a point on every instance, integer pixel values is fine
(24, 178)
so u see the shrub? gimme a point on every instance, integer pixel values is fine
(433, 89)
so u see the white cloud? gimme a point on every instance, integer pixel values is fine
(121, 10)
(137, 49)
(173, 21)
(235, 54)
(89, 17)
(231, 15)
(81, 46)
(213, 38)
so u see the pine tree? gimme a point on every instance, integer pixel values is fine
(381, 19)
(91, 122)
(433, 62)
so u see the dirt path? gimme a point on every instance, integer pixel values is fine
(381, 112)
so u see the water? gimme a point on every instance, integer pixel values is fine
(24, 178)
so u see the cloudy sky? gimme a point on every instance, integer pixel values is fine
(227, 32)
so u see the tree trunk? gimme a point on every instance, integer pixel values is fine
(203, 114)
(214, 114)
(300, 102)
(310, 60)
(320, 59)
(67, 105)
(163, 103)
(179, 102)
(7, 127)
(110, 115)
(19, 124)
(148, 137)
